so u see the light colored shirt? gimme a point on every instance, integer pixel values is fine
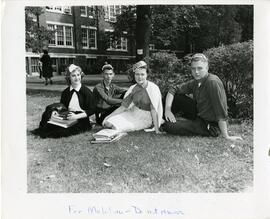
(74, 101)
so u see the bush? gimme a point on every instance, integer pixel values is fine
(165, 70)
(234, 66)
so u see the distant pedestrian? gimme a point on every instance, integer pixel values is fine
(40, 68)
(46, 67)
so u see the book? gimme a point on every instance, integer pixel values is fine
(62, 122)
(62, 115)
(107, 136)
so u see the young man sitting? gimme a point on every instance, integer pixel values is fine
(108, 96)
(206, 114)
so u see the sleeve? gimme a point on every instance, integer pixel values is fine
(42, 59)
(127, 101)
(106, 98)
(184, 88)
(119, 90)
(89, 105)
(218, 100)
(64, 98)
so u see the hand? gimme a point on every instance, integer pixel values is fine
(54, 114)
(159, 132)
(234, 138)
(169, 116)
(72, 115)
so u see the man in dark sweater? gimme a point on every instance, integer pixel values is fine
(206, 113)
(108, 96)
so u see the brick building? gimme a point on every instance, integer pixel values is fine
(83, 36)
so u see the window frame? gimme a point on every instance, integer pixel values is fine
(88, 28)
(59, 9)
(110, 16)
(64, 25)
(85, 9)
(122, 39)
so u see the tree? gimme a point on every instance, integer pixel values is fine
(126, 22)
(143, 31)
(35, 34)
(193, 28)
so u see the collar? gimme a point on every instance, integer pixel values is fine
(202, 80)
(76, 89)
(142, 86)
(104, 85)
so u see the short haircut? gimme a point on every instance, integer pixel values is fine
(107, 67)
(199, 57)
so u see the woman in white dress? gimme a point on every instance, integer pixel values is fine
(141, 107)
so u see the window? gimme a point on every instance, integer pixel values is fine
(59, 9)
(83, 11)
(92, 38)
(63, 36)
(84, 37)
(124, 43)
(67, 9)
(111, 11)
(60, 35)
(68, 36)
(91, 11)
(118, 44)
(151, 46)
(34, 64)
(51, 27)
(89, 37)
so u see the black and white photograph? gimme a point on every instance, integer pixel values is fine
(135, 109)
(176, 79)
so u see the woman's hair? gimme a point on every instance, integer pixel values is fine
(140, 65)
(71, 68)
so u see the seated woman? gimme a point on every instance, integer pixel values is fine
(78, 100)
(141, 107)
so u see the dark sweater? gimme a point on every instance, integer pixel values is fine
(85, 97)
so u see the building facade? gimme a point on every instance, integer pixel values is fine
(83, 35)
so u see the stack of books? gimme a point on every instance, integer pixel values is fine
(107, 136)
(62, 121)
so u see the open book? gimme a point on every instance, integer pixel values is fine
(62, 121)
(107, 136)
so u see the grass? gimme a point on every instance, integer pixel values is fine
(140, 162)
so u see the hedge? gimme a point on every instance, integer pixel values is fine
(232, 63)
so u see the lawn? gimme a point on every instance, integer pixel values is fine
(139, 162)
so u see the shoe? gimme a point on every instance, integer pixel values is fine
(46, 83)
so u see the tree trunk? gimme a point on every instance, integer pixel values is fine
(143, 31)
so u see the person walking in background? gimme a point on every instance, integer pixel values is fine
(141, 107)
(46, 67)
(107, 95)
(206, 114)
(40, 68)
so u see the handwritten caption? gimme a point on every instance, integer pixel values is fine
(131, 210)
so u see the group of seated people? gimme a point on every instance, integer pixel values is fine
(140, 106)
